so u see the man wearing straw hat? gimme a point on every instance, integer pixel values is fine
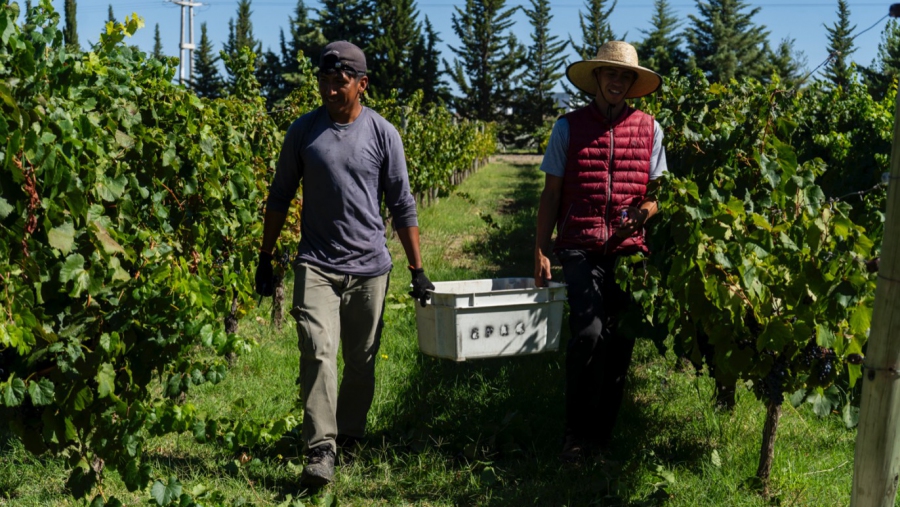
(598, 165)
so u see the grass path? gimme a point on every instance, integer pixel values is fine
(484, 432)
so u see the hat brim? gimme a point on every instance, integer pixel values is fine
(581, 74)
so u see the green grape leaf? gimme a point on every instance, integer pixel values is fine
(111, 189)
(110, 245)
(860, 320)
(168, 157)
(82, 399)
(106, 380)
(165, 494)
(136, 475)
(5, 208)
(13, 392)
(825, 337)
(200, 431)
(82, 479)
(41, 392)
(776, 335)
(62, 238)
(850, 416)
(124, 140)
(73, 270)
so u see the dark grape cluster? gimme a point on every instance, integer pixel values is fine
(826, 366)
(811, 353)
(773, 384)
(820, 360)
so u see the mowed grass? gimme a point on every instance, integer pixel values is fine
(482, 432)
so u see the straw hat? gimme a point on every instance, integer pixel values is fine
(614, 54)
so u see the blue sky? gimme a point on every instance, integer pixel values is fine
(802, 20)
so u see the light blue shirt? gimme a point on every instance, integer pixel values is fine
(555, 157)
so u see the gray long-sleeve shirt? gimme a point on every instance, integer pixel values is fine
(346, 172)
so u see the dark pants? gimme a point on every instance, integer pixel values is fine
(597, 358)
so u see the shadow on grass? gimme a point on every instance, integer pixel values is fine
(499, 422)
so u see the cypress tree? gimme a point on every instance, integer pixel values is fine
(207, 82)
(544, 67)
(885, 68)
(726, 43)
(391, 51)
(661, 48)
(110, 17)
(157, 44)
(70, 32)
(349, 20)
(840, 47)
(481, 67)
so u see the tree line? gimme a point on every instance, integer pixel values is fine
(495, 74)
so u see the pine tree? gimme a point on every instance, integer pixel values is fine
(787, 63)
(595, 31)
(885, 68)
(29, 26)
(544, 67)
(390, 52)
(481, 69)
(725, 42)
(661, 48)
(70, 32)
(110, 17)
(157, 44)
(426, 62)
(349, 20)
(207, 82)
(595, 28)
(840, 47)
(306, 36)
(270, 74)
(240, 33)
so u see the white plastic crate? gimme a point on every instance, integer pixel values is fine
(490, 318)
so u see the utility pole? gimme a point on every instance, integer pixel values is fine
(877, 458)
(186, 48)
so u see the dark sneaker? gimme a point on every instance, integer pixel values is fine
(347, 448)
(574, 450)
(319, 469)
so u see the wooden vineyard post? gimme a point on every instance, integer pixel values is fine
(876, 462)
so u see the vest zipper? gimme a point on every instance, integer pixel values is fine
(609, 177)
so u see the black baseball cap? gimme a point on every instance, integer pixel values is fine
(342, 55)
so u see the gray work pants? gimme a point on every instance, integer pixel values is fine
(334, 309)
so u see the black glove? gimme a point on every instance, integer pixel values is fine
(265, 277)
(420, 285)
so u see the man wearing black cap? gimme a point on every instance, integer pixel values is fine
(349, 159)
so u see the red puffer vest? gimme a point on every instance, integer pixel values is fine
(607, 170)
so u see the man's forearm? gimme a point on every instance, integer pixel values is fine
(409, 238)
(272, 225)
(546, 220)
